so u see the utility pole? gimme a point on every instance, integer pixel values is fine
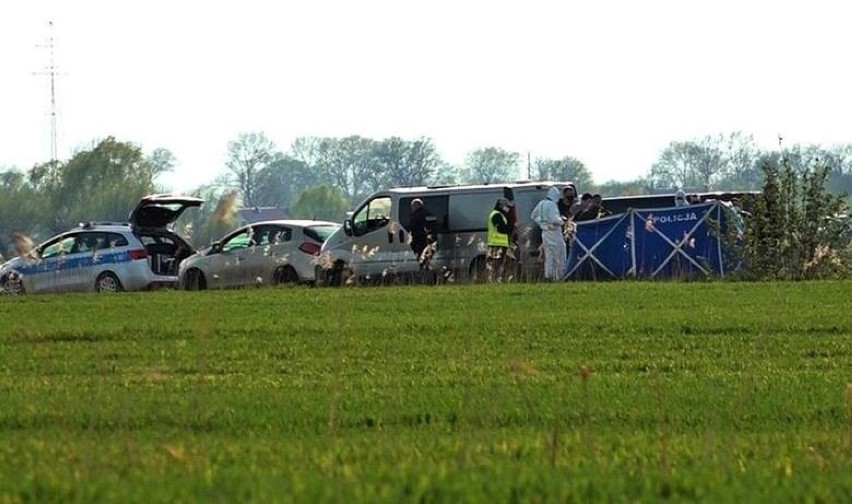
(529, 166)
(50, 71)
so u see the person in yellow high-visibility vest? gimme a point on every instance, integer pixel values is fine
(498, 239)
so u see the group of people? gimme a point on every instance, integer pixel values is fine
(501, 237)
(682, 199)
(586, 207)
(555, 216)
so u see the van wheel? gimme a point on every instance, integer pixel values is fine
(107, 282)
(338, 275)
(285, 275)
(194, 280)
(479, 270)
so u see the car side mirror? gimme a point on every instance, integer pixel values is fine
(216, 247)
(347, 227)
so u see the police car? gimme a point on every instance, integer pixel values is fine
(106, 257)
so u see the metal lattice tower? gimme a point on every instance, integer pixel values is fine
(51, 72)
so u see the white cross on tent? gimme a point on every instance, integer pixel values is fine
(589, 251)
(677, 246)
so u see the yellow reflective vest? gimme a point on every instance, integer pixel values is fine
(496, 238)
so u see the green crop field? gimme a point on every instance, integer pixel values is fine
(628, 392)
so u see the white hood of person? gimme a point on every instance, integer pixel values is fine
(553, 193)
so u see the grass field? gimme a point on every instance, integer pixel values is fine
(629, 392)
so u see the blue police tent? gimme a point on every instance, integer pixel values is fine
(652, 243)
(601, 249)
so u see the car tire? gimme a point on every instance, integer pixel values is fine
(194, 280)
(285, 275)
(12, 285)
(107, 282)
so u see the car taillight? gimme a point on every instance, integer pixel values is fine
(310, 248)
(136, 254)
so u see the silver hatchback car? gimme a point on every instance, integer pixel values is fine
(262, 253)
(106, 257)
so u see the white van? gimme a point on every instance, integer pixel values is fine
(373, 244)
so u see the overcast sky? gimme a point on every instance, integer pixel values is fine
(611, 83)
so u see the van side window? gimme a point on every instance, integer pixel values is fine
(436, 205)
(374, 215)
(470, 211)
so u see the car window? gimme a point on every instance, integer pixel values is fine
(62, 245)
(115, 240)
(320, 233)
(91, 241)
(271, 235)
(238, 241)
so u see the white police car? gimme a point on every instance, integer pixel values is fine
(106, 257)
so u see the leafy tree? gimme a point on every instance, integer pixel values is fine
(103, 183)
(445, 174)
(490, 165)
(247, 156)
(406, 163)
(281, 181)
(20, 209)
(614, 188)
(564, 170)
(322, 202)
(348, 164)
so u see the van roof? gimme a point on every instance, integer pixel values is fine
(474, 187)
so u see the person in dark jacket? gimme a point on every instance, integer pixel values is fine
(597, 203)
(587, 209)
(421, 225)
(567, 203)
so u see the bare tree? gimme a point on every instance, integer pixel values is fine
(247, 155)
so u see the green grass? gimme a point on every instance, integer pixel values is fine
(715, 392)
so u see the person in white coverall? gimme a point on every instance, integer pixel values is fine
(546, 215)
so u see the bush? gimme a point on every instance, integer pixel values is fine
(798, 230)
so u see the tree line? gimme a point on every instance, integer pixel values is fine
(322, 177)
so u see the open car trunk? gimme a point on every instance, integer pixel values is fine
(165, 251)
(151, 221)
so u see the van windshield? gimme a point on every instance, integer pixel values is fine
(374, 215)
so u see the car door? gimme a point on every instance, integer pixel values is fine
(50, 271)
(271, 248)
(82, 261)
(231, 267)
(374, 249)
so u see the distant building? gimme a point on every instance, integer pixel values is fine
(256, 214)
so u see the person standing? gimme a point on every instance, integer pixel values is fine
(680, 198)
(546, 216)
(587, 209)
(421, 225)
(566, 202)
(498, 239)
